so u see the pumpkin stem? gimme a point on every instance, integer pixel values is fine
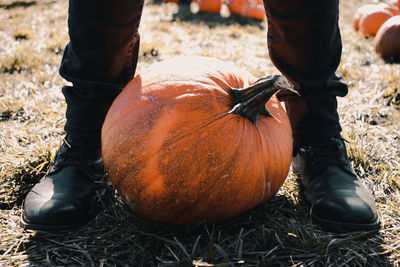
(250, 101)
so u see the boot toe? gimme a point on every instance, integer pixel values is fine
(338, 198)
(60, 201)
(346, 207)
(53, 213)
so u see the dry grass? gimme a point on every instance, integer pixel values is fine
(278, 233)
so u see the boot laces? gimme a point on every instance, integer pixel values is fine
(78, 151)
(330, 152)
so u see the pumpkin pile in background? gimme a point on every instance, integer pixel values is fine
(382, 21)
(247, 8)
(179, 150)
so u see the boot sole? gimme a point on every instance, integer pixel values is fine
(50, 228)
(337, 226)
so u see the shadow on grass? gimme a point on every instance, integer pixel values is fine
(213, 20)
(277, 233)
(16, 4)
(392, 60)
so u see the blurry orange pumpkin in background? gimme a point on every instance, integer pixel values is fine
(381, 20)
(360, 12)
(387, 41)
(369, 17)
(372, 19)
(210, 6)
(247, 8)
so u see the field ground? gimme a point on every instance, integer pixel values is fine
(278, 233)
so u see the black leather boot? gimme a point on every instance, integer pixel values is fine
(62, 199)
(338, 199)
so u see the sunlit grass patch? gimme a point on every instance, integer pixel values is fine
(16, 182)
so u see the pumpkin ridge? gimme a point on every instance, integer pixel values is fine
(264, 188)
(273, 141)
(118, 183)
(123, 117)
(204, 196)
(239, 137)
(262, 148)
(201, 199)
(125, 147)
(224, 93)
(129, 147)
(149, 167)
(162, 104)
(226, 86)
(250, 127)
(205, 88)
(194, 130)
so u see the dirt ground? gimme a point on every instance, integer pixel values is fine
(33, 35)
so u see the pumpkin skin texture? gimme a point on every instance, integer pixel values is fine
(209, 6)
(236, 6)
(254, 9)
(371, 22)
(247, 8)
(387, 40)
(176, 154)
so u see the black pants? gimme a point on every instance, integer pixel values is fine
(304, 43)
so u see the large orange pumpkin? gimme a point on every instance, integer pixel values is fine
(181, 146)
(387, 41)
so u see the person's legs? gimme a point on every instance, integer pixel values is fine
(304, 43)
(99, 60)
